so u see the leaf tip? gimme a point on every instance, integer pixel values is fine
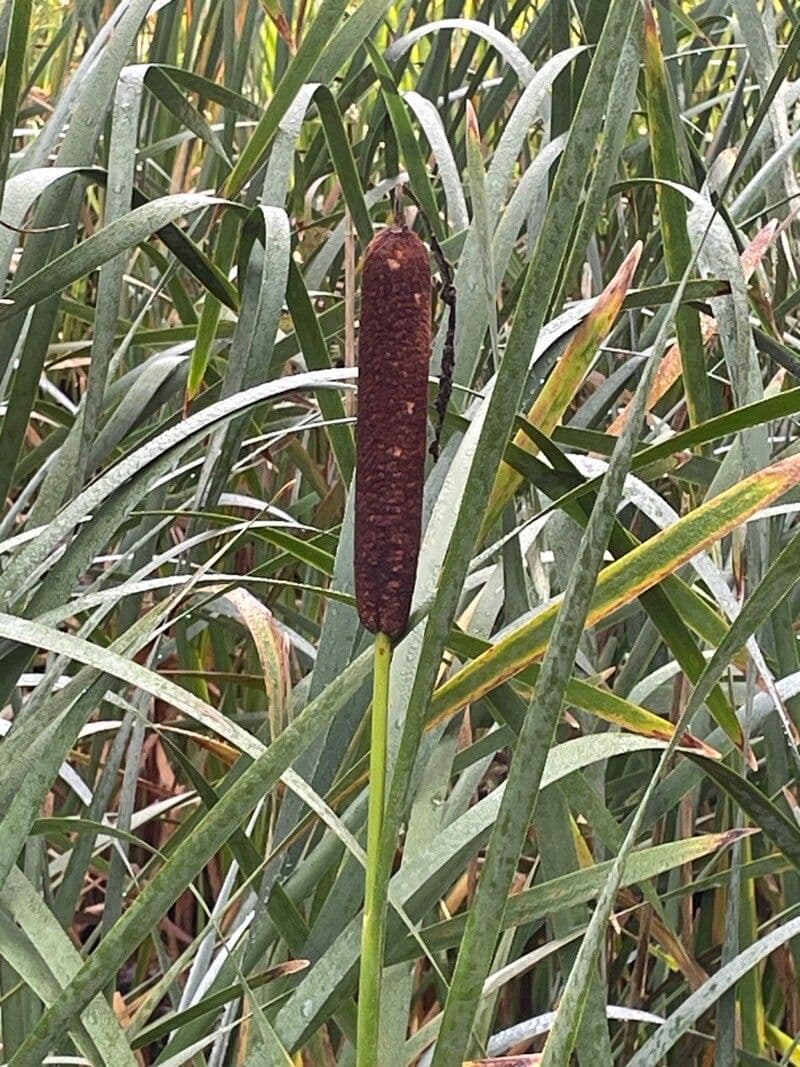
(473, 129)
(699, 746)
(650, 26)
(736, 833)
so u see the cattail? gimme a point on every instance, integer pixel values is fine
(394, 353)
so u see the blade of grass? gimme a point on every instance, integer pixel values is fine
(677, 249)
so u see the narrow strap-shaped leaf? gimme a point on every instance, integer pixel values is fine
(782, 831)
(119, 235)
(515, 58)
(23, 905)
(326, 20)
(662, 122)
(192, 855)
(16, 50)
(409, 145)
(266, 241)
(566, 378)
(684, 1017)
(623, 580)
(527, 766)
(315, 350)
(569, 890)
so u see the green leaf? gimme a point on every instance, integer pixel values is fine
(684, 1017)
(187, 860)
(102, 246)
(782, 831)
(569, 890)
(409, 145)
(326, 19)
(663, 123)
(622, 581)
(55, 960)
(16, 54)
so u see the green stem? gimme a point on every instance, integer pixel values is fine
(374, 927)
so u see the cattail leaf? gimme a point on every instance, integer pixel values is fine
(272, 648)
(315, 350)
(15, 61)
(433, 127)
(201, 265)
(509, 710)
(265, 251)
(624, 580)
(515, 58)
(38, 289)
(159, 81)
(471, 303)
(663, 122)
(606, 705)
(562, 1037)
(124, 480)
(84, 114)
(768, 594)
(112, 663)
(567, 377)
(673, 606)
(783, 1044)
(207, 836)
(407, 140)
(684, 1017)
(781, 830)
(174, 1021)
(685, 608)
(346, 40)
(325, 21)
(342, 157)
(47, 959)
(206, 88)
(119, 235)
(670, 370)
(482, 224)
(575, 888)
(320, 266)
(430, 872)
(21, 192)
(265, 1047)
(224, 252)
(778, 405)
(281, 22)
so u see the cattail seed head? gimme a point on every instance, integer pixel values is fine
(394, 353)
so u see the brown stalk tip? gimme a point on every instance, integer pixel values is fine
(393, 357)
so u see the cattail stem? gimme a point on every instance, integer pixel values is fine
(374, 926)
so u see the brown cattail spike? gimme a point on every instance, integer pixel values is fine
(394, 354)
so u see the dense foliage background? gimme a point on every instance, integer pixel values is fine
(593, 799)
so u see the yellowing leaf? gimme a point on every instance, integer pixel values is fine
(273, 653)
(670, 368)
(620, 583)
(566, 378)
(782, 1043)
